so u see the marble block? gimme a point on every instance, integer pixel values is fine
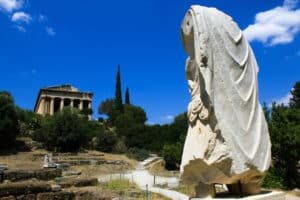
(227, 140)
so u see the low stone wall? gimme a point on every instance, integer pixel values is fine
(42, 174)
(94, 162)
(81, 182)
(41, 190)
(25, 187)
(43, 196)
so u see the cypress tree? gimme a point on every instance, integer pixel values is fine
(118, 95)
(127, 97)
(295, 99)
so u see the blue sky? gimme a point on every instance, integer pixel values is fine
(51, 42)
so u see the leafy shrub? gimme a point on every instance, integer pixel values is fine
(120, 147)
(28, 121)
(106, 141)
(274, 179)
(65, 131)
(172, 155)
(9, 127)
(138, 154)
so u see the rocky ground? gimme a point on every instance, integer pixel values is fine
(89, 175)
(24, 178)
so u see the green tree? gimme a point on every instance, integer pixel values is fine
(172, 155)
(284, 132)
(106, 106)
(65, 131)
(28, 121)
(8, 120)
(127, 97)
(131, 125)
(295, 99)
(118, 94)
(174, 141)
(106, 141)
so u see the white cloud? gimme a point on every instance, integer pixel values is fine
(276, 26)
(20, 28)
(50, 31)
(21, 17)
(282, 100)
(42, 18)
(167, 118)
(10, 5)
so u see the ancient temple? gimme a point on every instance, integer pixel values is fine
(55, 98)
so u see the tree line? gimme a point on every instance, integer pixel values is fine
(125, 131)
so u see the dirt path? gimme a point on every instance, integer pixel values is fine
(144, 180)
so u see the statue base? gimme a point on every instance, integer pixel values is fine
(264, 195)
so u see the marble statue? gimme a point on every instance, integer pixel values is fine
(228, 140)
(48, 161)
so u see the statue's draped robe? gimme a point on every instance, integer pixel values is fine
(228, 81)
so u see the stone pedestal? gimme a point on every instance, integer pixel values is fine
(272, 195)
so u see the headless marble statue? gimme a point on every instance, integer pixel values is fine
(228, 140)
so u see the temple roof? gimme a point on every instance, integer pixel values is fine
(66, 87)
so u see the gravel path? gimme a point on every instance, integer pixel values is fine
(144, 179)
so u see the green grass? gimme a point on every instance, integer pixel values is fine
(119, 184)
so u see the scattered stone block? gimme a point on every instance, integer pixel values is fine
(80, 182)
(63, 166)
(25, 187)
(21, 175)
(8, 198)
(26, 197)
(72, 173)
(18, 175)
(55, 188)
(47, 174)
(56, 196)
(3, 167)
(95, 195)
(85, 182)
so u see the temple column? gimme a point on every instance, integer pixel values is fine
(61, 104)
(90, 106)
(80, 104)
(41, 107)
(51, 106)
(71, 103)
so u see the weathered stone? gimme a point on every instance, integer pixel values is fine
(62, 95)
(85, 182)
(227, 140)
(79, 182)
(92, 195)
(18, 175)
(3, 167)
(8, 198)
(47, 174)
(27, 197)
(72, 173)
(42, 174)
(63, 166)
(56, 196)
(55, 188)
(21, 188)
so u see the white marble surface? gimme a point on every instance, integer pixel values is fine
(274, 195)
(228, 139)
